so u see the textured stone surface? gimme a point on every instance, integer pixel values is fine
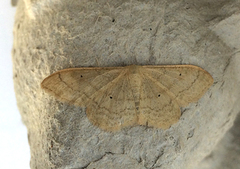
(52, 35)
(226, 155)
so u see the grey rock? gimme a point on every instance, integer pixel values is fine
(52, 35)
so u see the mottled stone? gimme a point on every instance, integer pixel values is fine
(51, 35)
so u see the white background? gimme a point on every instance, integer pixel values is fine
(14, 148)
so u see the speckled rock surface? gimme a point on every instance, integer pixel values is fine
(226, 155)
(52, 35)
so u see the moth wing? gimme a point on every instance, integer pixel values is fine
(157, 108)
(78, 85)
(114, 107)
(184, 83)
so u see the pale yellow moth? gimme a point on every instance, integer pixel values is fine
(117, 97)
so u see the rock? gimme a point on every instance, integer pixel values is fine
(53, 35)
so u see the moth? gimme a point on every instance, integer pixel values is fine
(117, 97)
